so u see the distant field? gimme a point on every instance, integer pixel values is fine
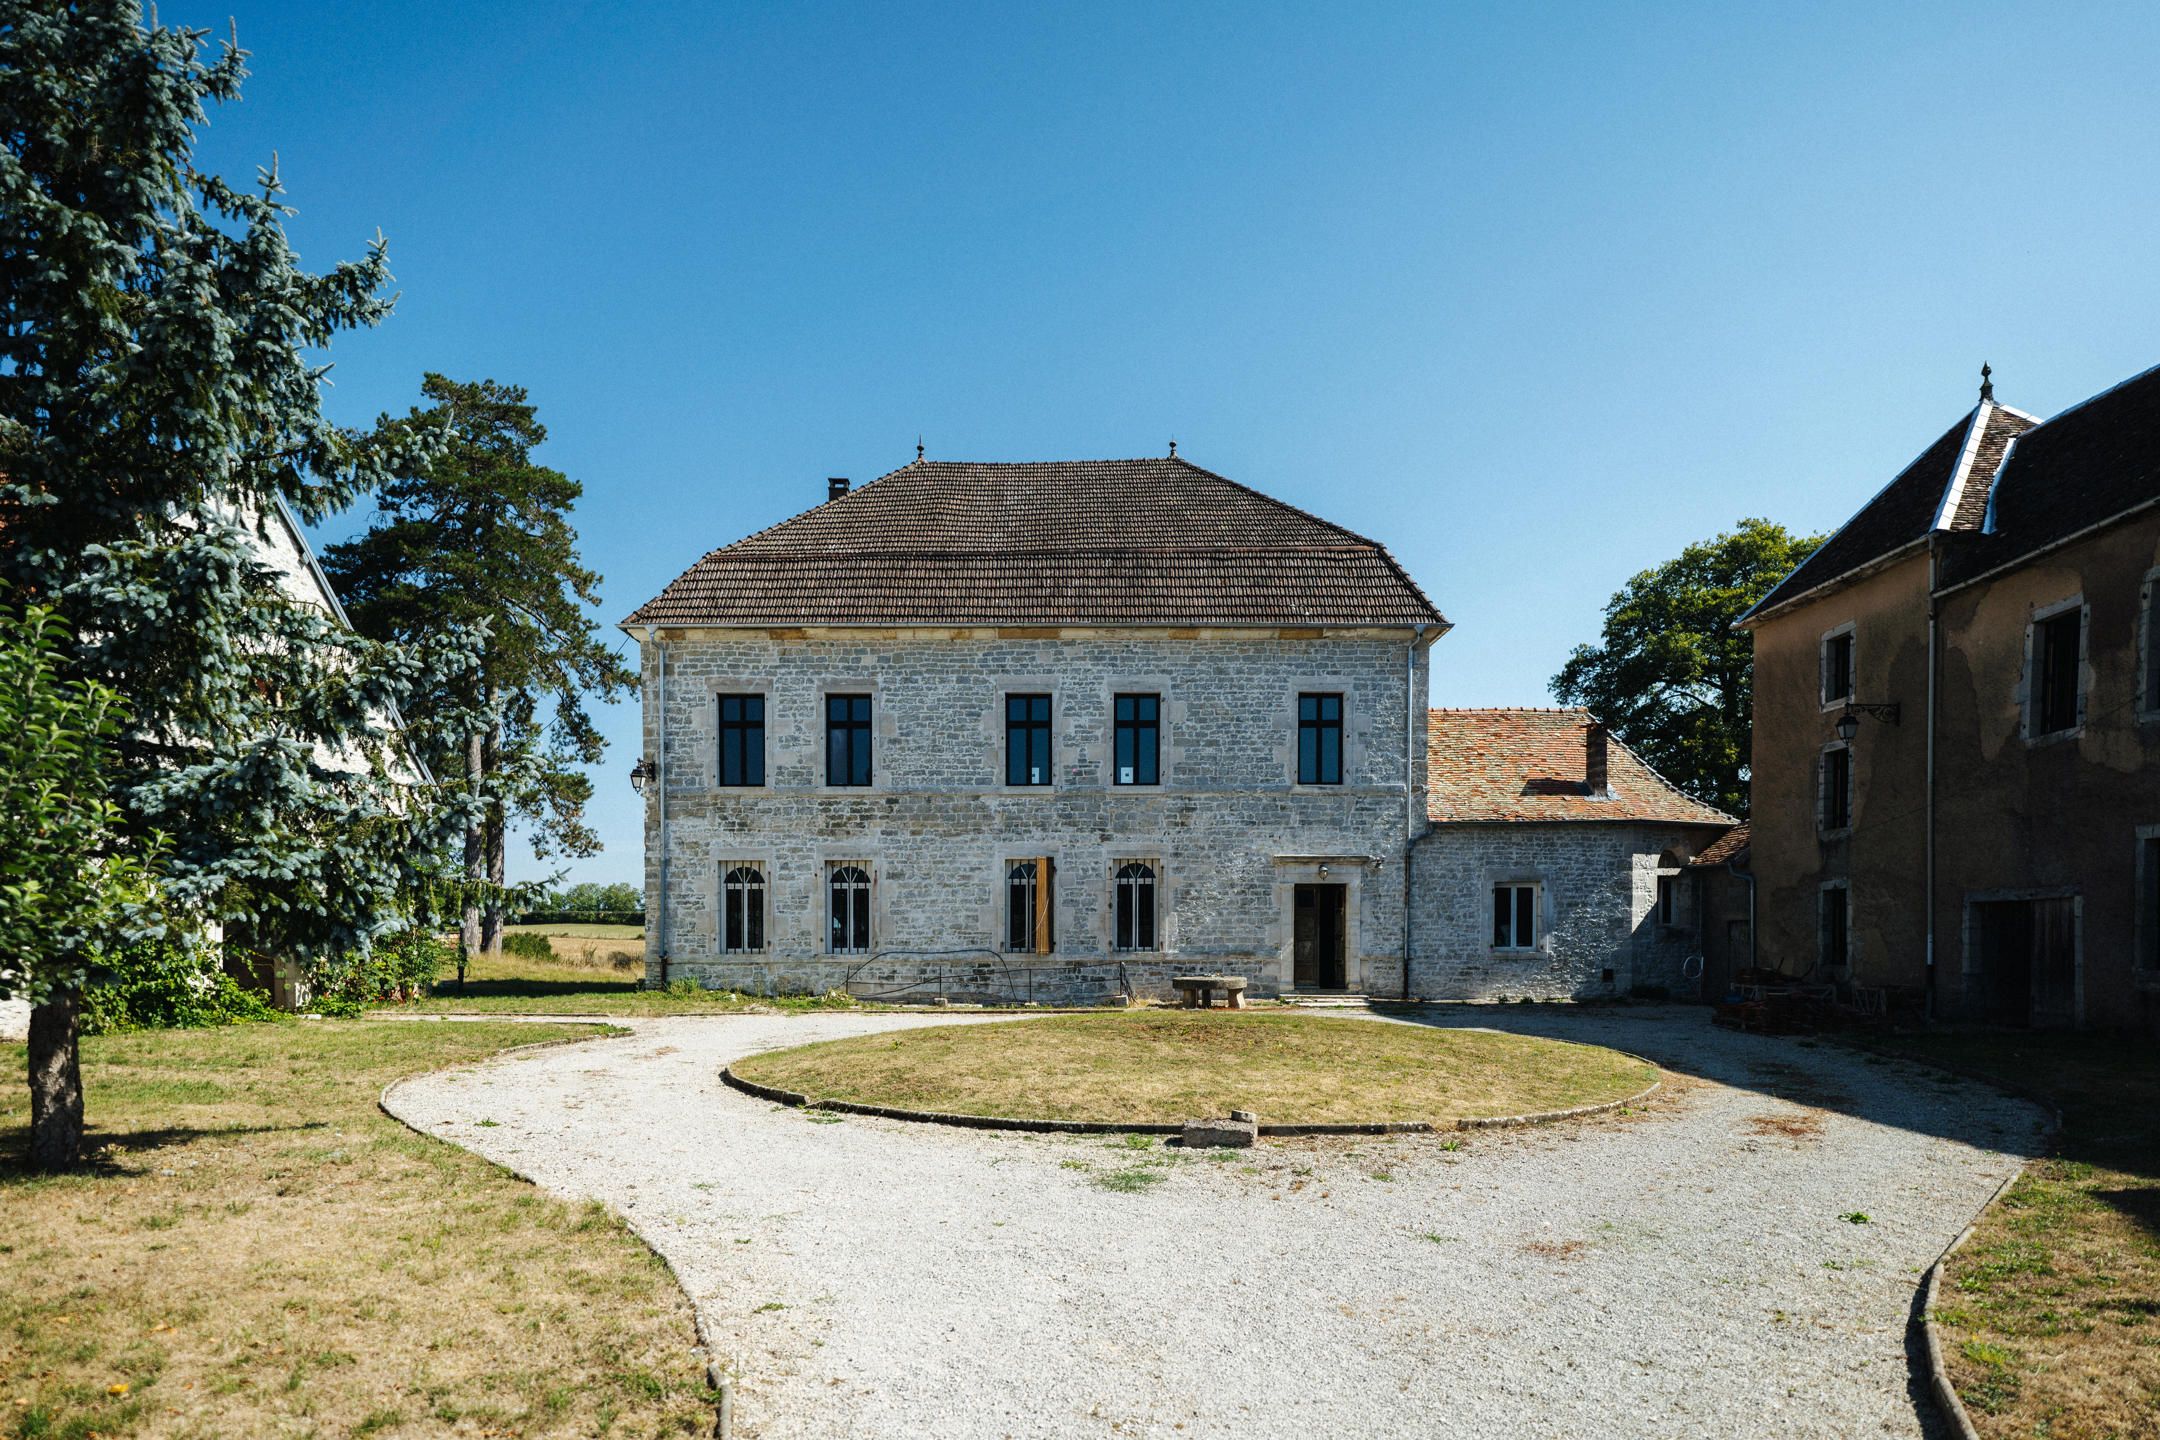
(583, 932)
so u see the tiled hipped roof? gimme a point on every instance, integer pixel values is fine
(1528, 765)
(1731, 848)
(1946, 486)
(1107, 542)
(2086, 465)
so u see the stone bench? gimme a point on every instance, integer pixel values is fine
(1198, 991)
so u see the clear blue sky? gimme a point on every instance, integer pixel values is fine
(1534, 294)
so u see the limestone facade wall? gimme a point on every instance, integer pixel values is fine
(1598, 932)
(1228, 832)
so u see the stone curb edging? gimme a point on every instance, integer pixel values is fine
(724, 1412)
(801, 1101)
(1946, 1396)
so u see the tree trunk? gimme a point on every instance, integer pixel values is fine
(475, 851)
(56, 1098)
(491, 922)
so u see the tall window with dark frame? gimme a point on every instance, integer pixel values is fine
(2150, 699)
(1668, 908)
(848, 910)
(1514, 924)
(1837, 668)
(1027, 740)
(847, 740)
(1133, 906)
(1137, 740)
(1837, 787)
(743, 907)
(1319, 739)
(1836, 929)
(1030, 908)
(2056, 643)
(2149, 902)
(742, 740)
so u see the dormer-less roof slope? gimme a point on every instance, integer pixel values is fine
(1946, 488)
(1082, 542)
(1530, 765)
(2088, 465)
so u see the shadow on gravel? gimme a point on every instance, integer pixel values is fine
(1817, 1073)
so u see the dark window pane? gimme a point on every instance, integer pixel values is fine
(1320, 739)
(2057, 643)
(1525, 915)
(1503, 929)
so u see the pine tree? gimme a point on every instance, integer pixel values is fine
(480, 536)
(156, 409)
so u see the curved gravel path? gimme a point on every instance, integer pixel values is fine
(1684, 1270)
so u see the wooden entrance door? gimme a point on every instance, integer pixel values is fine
(2054, 961)
(1317, 942)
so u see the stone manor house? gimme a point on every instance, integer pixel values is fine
(1062, 731)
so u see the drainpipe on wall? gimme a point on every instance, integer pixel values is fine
(1410, 806)
(652, 638)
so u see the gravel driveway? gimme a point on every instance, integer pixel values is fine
(1684, 1271)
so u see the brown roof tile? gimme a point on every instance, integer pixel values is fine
(1528, 765)
(1731, 847)
(1116, 542)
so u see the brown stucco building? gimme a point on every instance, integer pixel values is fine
(1957, 703)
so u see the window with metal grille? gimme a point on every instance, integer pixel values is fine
(1030, 910)
(2056, 643)
(1837, 668)
(742, 740)
(1837, 788)
(1137, 743)
(743, 910)
(1319, 749)
(1836, 927)
(1027, 740)
(848, 911)
(1514, 917)
(1133, 907)
(847, 740)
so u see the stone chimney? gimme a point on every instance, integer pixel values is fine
(835, 487)
(1595, 771)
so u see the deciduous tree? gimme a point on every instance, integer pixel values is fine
(1670, 673)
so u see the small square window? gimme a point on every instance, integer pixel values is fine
(1515, 917)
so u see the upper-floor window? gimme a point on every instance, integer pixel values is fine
(847, 740)
(2057, 645)
(743, 910)
(1837, 674)
(1319, 739)
(1514, 917)
(1137, 740)
(1030, 927)
(1834, 811)
(1133, 906)
(1027, 740)
(742, 740)
(847, 894)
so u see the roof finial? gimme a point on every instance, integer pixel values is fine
(1987, 386)
(1173, 449)
(918, 447)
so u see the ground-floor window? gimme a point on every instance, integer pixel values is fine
(743, 910)
(1133, 906)
(848, 910)
(1834, 930)
(1668, 907)
(1030, 928)
(1514, 916)
(2148, 898)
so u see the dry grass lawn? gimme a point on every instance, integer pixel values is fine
(1164, 1066)
(261, 1251)
(2051, 1312)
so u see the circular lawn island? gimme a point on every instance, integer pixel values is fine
(1163, 1067)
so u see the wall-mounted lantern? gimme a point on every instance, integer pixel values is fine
(641, 775)
(1848, 720)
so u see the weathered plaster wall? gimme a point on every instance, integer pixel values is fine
(1882, 855)
(2058, 814)
(1597, 898)
(1229, 831)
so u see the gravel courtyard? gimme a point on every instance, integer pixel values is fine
(1687, 1270)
